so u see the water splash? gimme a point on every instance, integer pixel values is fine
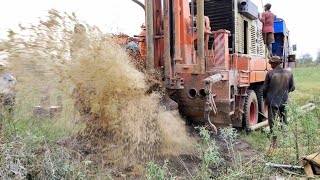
(123, 119)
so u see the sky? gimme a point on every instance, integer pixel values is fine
(125, 16)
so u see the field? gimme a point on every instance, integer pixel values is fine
(307, 84)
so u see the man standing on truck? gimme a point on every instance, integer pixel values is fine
(267, 18)
(277, 85)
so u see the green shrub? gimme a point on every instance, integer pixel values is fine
(155, 171)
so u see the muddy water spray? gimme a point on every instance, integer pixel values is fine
(123, 122)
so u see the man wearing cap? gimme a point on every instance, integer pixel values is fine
(142, 42)
(132, 45)
(7, 90)
(267, 18)
(277, 85)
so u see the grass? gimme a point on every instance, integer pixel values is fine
(302, 133)
(307, 81)
(53, 129)
(29, 146)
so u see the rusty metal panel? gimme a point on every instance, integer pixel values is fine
(258, 64)
(193, 108)
(257, 76)
(233, 77)
(252, 77)
(260, 76)
(234, 61)
(244, 78)
(243, 63)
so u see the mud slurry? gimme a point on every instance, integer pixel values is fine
(123, 121)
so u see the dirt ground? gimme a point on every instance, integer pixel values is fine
(186, 165)
(242, 147)
(181, 167)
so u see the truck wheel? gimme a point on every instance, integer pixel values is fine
(262, 106)
(250, 117)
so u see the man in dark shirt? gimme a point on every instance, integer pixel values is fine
(277, 85)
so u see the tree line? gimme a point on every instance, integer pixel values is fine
(307, 58)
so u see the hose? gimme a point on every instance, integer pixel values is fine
(207, 117)
(140, 4)
(210, 104)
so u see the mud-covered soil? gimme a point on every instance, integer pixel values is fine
(187, 166)
(242, 147)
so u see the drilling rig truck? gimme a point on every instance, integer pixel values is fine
(213, 57)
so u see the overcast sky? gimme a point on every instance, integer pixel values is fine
(125, 16)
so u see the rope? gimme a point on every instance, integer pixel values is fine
(210, 106)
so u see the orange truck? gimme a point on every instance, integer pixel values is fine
(212, 57)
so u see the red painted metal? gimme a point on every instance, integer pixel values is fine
(253, 113)
(158, 31)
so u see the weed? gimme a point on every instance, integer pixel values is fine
(155, 171)
(229, 135)
(208, 152)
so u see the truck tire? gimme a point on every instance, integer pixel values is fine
(262, 106)
(250, 116)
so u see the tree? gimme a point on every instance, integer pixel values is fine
(306, 58)
(318, 56)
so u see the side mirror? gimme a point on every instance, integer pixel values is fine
(294, 47)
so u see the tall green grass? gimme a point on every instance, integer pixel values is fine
(307, 81)
(302, 134)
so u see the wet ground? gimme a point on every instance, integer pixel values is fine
(187, 166)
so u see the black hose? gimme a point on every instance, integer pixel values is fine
(140, 4)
